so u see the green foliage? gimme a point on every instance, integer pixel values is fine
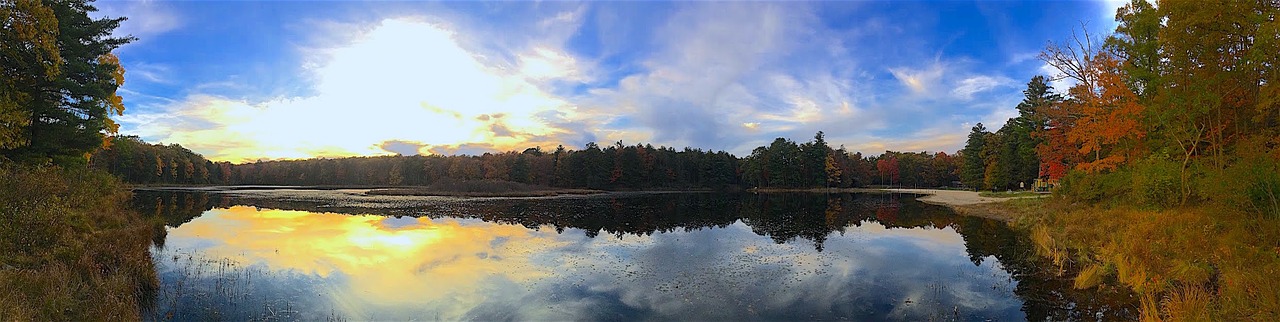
(29, 56)
(1007, 159)
(1251, 185)
(618, 166)
(1095, 188)
(1264, 190)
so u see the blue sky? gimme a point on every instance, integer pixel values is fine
(240, 81)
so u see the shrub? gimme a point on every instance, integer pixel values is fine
(1156, 183)
(1263, 191)
(1251, 185)
(1096, 187)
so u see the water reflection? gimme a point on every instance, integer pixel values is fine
(685, 256)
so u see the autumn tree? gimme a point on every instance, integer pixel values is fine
(888, 168)
(1100, 123)
(833, 170)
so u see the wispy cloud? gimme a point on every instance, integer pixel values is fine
(155, 73)
(145, 18)
(981, 83)
(920, 81)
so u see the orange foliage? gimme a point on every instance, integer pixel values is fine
(1055, 160)
(1099, 128)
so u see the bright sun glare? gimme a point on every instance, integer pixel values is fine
(380, 88)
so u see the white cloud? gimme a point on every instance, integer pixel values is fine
(406, 80)
(146, 18)
(981, 83)
(1107, 16)
(546, 63)
(724, 74)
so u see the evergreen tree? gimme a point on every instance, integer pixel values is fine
(974, 170)
(67, 98)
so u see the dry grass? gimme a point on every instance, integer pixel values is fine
(1193, 263)
(1089, 277)
(1187, 304)
(69, 250)
(1049, 248)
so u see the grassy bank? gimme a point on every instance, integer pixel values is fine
(69, 248)
(1194, 263)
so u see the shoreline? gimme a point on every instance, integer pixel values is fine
(967, 203)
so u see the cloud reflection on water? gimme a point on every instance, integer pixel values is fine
(396, 268)
(373, 259)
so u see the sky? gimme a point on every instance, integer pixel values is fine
(242, 81)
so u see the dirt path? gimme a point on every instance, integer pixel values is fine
(967, 203)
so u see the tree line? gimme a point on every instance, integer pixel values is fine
(136, 161)
(783, 164)
(618, 166)
(786, 164)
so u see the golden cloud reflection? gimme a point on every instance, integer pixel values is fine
(380, 259)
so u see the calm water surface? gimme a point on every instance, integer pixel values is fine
(339, 255)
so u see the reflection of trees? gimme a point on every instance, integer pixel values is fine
(175, 207)
(781, 217)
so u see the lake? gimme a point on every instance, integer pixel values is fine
(340, 255)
